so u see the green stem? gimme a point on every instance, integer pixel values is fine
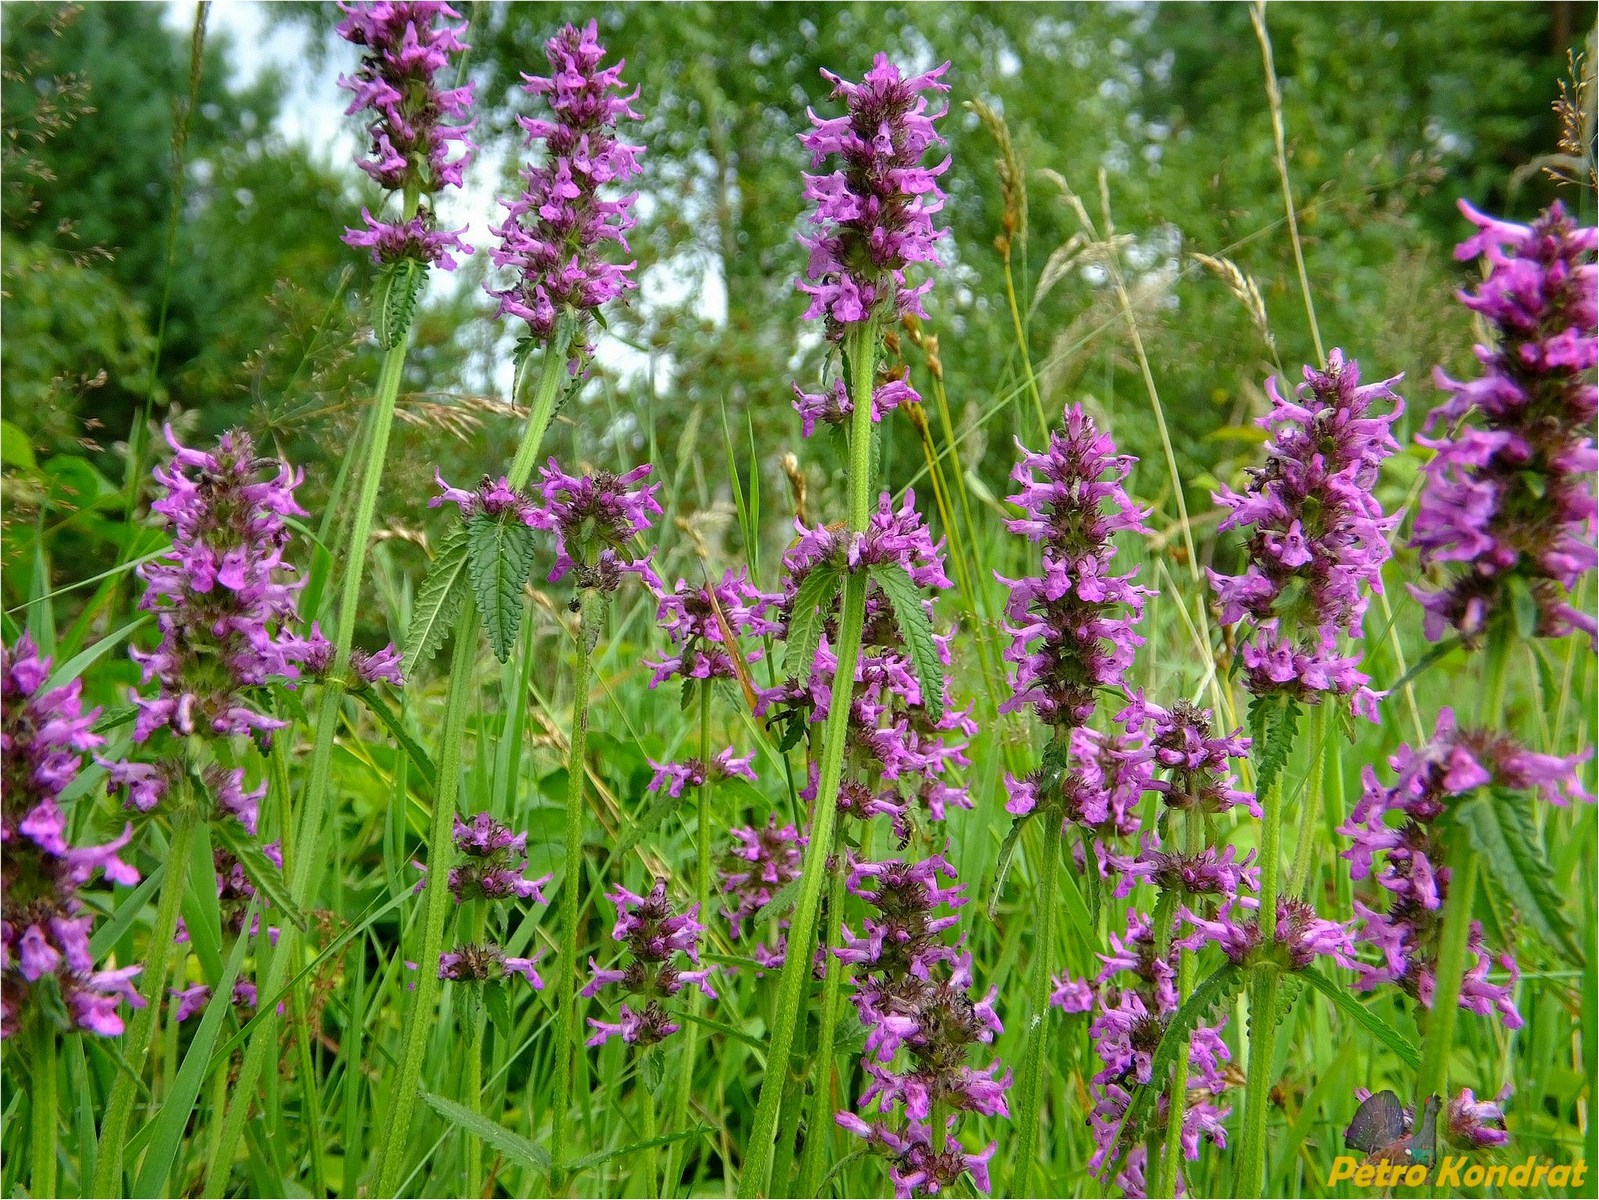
(1322, 762)
(818, 1129)
(1454, 948)
(472, 1081)
(647, 1100)
(43, 1102)
(158, 961)
(1036, 1056)
(1177, 1104)
(1262, 1004)
(436, 907)
(793, 987)
(571, 1044)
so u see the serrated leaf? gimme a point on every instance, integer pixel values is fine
(1352, 1008)
(1273, 724)
(498, 1137)
(394, 298)
(1501, 827)
(1217, 990)
(437, 602)
(260, 869)
(498, 558)
(807, 619)
(780, 903)
(659, 809)
(499, 1007)
(911, 615)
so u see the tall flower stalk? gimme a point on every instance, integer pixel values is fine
(405, 46)
(1318, 542)
(551, 241)
(873, 220)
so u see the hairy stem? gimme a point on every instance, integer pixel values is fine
(794, 986)
(571, 1044)
(43, 1102)
(472, 1081)
(142, 1034)
(1036, 1055)
(818, 1129)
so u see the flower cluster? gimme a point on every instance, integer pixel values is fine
(874, 214)
(491, 861)
(1397, 841)
(1133, 998)
(654, 937)
(700, 620)
(44, 735)
(415, 123)
(235, 893)
(759, 864)
(833, 405)
(1073, 624)
(553, 231)
(675, 776)
(594, 517)
(1509, 497)
(367, 667)
(471, 962)
(1319, 537)
(901, 758)
(913, 994)
(1195, 762)
(223, 594)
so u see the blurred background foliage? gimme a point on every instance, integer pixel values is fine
(1154, 114)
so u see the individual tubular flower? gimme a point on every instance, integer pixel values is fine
(1474, 1124)
(673, 777)
(874, 213)
(44, 735)
(1398, 842)
(654, 937)
(1072, 626)
(594, 518)
(759, 864)
(415, 124)
(913, 994)
(1133, 999)
(554, 232)
(1509, 496)
(223, 595)
(1319, 537)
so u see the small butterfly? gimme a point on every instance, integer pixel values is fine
(1384, 1130)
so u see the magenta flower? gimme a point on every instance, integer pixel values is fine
(673, 777)
(689, 618)
(758, 865)
(1319, 538)
(43, 738)
(554, 232)
(833, 406)
(1509, 496)
(492, 860)
(486, 963)
(874, 213)
(415, 124)
(223, 595)
(654, 936)
(1072, 626)
(594, 519)
(1475, 1124)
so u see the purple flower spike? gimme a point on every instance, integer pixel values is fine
(1072, 626)
(554, 232)
(874, 214)
(1319, 536)
(43, 738)
(487, 963)
(654, 936)
(491, 864)
(1509, 496)
(223, 594)
(758, 865)
(594, 518)
(699, 637)
(415, 125)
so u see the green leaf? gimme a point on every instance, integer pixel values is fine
(1524, 605)
(391, 721)
(1357, 1012)
(911, 614)
(438, 601)
(1216, 991)
(110, 931)
(661, 807)
(1273, 724)
(15, 449)
(80, 662)
(1002, 865)
(1501, 827)
(780, 903)
(510, 1144)
(167, 1128)
(394, 297)
(499, 556)
(594, 1160)
(812, 607)
(266, 877)
(498, 1005)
